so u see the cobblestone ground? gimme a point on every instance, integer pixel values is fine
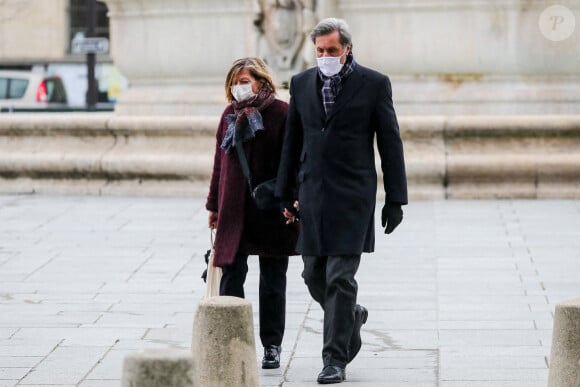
(461, 295)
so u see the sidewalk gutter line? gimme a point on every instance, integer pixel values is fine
(40, 362)
(284, 374)
(40, 267)
(97, 363)
(139, 268)
(182, 268)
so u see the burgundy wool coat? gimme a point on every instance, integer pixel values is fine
(241, 226)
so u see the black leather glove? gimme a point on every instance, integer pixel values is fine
(391, 217)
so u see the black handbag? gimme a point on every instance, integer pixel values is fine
(263, 193)
(264, 197)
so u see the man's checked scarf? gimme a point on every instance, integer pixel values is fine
(332, 85)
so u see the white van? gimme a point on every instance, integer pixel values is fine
(30, 90)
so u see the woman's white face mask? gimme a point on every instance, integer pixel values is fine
(329, 65)
(242, 92)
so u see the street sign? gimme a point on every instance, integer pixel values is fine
(90, 45)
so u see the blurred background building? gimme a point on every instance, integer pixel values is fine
(36, 36)
(444, 57)
(487, 91)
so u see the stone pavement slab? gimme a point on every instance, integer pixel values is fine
(461, 295)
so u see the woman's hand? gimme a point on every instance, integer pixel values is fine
(212, 220)
(291, 216)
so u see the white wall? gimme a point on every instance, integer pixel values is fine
(32, 29)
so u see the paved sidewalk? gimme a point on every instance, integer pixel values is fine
(461, 295)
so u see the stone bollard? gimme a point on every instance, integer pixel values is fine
(223, 343)
(158, 368)
(565, 351)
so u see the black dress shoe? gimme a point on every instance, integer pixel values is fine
(271, 357)
(331, 374)
(360, 317)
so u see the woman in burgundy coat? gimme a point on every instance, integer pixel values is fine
(256, 118)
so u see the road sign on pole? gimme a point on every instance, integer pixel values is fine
(90, 45)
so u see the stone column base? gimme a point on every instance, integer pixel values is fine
(158, 367)
(223, 343)
(565, 345)
(478, 94)
(173, 98)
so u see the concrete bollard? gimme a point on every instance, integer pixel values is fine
(158, 368)
(565, 351)
(223, 343)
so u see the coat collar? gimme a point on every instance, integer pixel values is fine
(315, 93)
(349, 89)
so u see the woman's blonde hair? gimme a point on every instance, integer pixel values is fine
(257, 69)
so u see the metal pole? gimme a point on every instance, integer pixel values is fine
(91, 57)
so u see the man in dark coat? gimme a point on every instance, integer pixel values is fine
(335, 111)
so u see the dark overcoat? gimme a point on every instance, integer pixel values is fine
(331, 159)
(241, 226)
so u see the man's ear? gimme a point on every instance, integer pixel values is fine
(347, 49)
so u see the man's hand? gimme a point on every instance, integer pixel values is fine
(391, 217)
(290, 210)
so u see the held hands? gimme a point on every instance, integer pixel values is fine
(391, 217)
(290, 210)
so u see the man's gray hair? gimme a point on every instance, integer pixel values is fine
(328, 26)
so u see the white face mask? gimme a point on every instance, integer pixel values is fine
(242, 92)
(329, 65)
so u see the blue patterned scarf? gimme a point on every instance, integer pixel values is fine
(331, 86)
(246, 120)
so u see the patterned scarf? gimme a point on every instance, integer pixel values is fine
(331, 86)
(246, 120)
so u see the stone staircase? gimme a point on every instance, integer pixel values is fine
(460, 157)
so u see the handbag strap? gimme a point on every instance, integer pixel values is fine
(245, 166)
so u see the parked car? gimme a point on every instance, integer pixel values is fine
(24, 90)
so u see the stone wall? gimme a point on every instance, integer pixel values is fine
(445, 57)
(33, 30)
(447, 157)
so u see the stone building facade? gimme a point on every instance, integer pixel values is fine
(445, 57)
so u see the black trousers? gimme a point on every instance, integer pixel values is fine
(330, 281)
(272, 293)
